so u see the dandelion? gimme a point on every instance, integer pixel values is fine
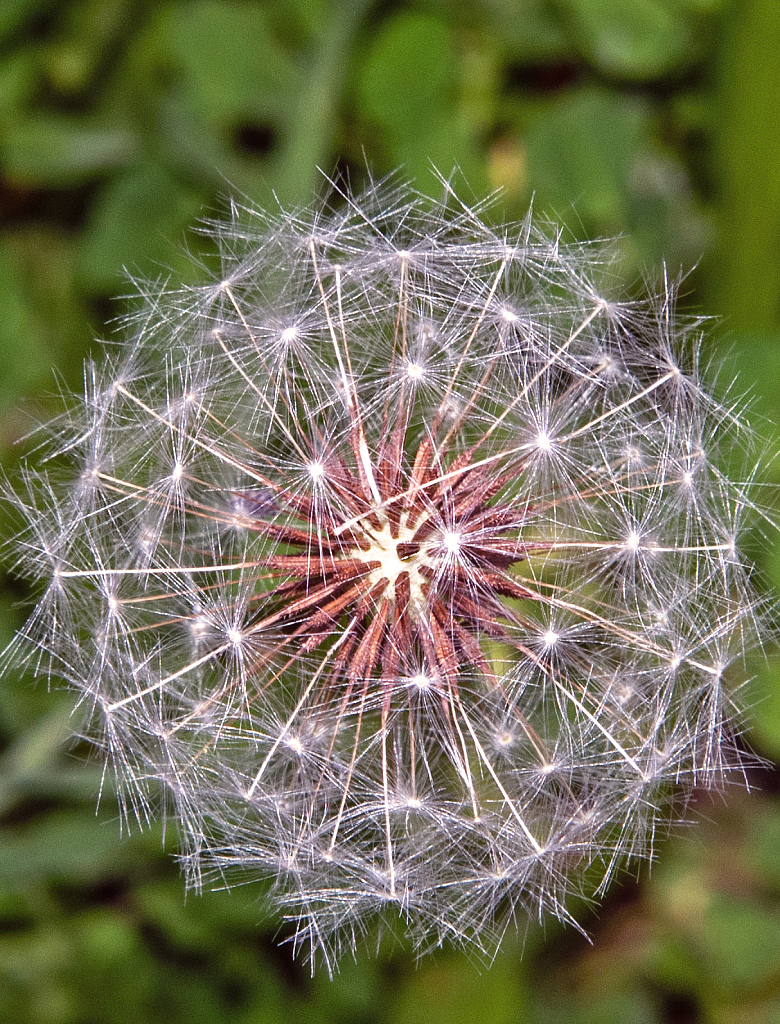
(400, 558)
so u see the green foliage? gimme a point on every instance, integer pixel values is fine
(636, 39)
(138, 219)
(407, 92)
(121, 121)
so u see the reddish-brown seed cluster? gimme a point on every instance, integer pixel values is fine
(413, 590)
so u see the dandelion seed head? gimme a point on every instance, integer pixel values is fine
(393, 555)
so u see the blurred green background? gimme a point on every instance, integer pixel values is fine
(121, 122)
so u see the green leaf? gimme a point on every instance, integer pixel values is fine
(31, 760)
(746, 268)
(138, 224)
(637, 39)
(230, 62)
(48, 151)
(580, 153)
(40, 314)
(441, 992)
(407, 78)
(20, 332)
(531, 31)
(17, 80)
(77, 848)
(742, 942)
(408, 91)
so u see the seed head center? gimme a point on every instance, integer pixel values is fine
(396, 555)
